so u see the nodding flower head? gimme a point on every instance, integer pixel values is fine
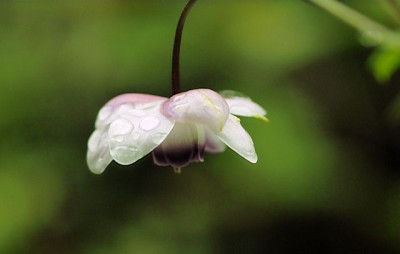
(177, 130)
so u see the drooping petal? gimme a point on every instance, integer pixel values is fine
(236, 137)
(199, 106)
(243, 106)
(184, 144)
(98, 154)
(213, 143)
(136, 131)
(122, 103)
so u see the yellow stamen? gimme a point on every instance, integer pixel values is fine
(214, 107)
(237, 119)
(262, 118)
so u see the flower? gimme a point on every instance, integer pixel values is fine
(178, 130)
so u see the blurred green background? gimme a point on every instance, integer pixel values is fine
(328, 175)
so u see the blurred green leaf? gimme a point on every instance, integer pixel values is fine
(384, 62)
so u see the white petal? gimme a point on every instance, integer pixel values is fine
(114, 108)
(213, 143)
(137, 131)
(98, 155)
(235, 137)
(105, 116)
(199, 106)
(243, 106)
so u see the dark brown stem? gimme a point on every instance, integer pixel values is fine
(177, 47)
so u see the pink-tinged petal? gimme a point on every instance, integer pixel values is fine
(98, 155)
(184, 144)
(235, 137)
(213, 143)
(136, 131)
(243, 106)
(113, 108)
(134, 99)
(201, 106)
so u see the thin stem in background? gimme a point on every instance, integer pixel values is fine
(177, 47)
(394, 7)
(368, 27)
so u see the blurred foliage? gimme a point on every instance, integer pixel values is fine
(327, 180)
(384, 63)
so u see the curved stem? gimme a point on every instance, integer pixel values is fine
(393, 6)
(374, 30)
(177, 47)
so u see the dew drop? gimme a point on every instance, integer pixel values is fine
(149, 123)
(124, 154)
(124, 108)
(120, 127)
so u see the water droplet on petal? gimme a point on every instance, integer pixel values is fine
(149, 123)
(120, 127)
(124, 108)
(104, 113)
(125, 154)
